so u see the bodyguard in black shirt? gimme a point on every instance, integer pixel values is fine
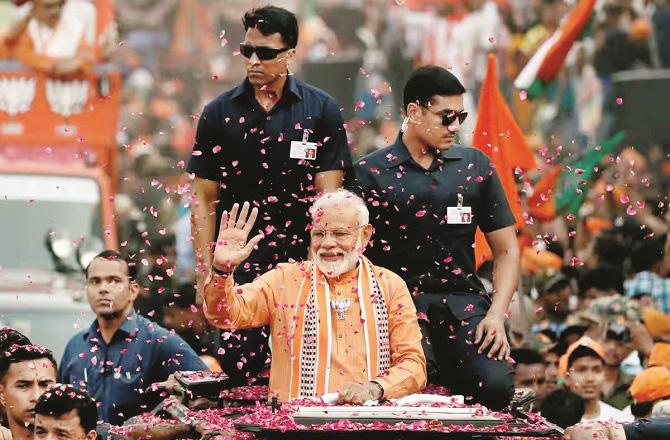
(426, 197)
(274, 141)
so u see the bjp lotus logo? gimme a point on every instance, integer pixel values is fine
(16, 94)
(67, 98)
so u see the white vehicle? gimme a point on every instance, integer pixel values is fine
(52, 222)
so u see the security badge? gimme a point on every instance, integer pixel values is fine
(459, 214)
(303, 150)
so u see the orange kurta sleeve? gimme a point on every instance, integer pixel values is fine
(233, 307)
(408, 363)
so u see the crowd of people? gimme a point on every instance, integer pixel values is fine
(587, 328)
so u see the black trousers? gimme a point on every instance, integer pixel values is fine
(451, 354)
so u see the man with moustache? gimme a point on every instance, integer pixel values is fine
(26, 371)
(122, 353)
(274, 141)
(338, 323)
(427, 196)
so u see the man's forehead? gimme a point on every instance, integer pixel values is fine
(587, 361)
(101, 267)
(67, 422)
(529, 368)
(439, 103)
(34, 369)
(258, 39)
(336, 215)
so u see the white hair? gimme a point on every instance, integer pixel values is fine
(342, 197)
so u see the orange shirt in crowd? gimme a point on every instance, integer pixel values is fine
(270, 300)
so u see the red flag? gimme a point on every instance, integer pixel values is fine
(500, 138)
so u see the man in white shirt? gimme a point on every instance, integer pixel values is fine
(584, 371)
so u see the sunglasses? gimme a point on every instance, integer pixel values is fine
(262, 52)
(450, 116)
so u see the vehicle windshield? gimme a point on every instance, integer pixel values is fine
(33, 205)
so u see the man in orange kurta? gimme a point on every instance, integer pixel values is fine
(50, 41)
(338, 323)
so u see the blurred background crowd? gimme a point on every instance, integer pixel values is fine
(603, 270)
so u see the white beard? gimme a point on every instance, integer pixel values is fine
(333, 269)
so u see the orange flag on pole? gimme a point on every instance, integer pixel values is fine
(500, 138)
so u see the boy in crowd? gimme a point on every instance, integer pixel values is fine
(583, 367)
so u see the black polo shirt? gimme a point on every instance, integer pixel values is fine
(408, 209)
(247, 150)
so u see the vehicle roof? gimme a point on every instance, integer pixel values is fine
(53, 168)
(12, 301)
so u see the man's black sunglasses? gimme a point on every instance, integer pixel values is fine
(262, 52)
(450, 116)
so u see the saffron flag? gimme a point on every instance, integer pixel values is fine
(544, 65)
(500, 138)
(561, 190)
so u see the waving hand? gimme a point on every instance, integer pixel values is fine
(232, 247)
